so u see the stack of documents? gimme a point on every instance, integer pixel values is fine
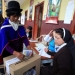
(41, 49)
(9, 62)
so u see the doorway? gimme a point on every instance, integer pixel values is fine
(38, 20)
(26, 13)
(73, 25)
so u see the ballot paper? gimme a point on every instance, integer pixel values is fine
(33, 40)
(9, 62)
(42, 52)
(38, 49)
(27, 52)
(40, 45)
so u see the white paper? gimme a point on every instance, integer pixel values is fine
(22, 19)
(33, 40)
(27, 52)
(40, 45)
(38, 49)
(9, 62)
(69, 12)
(42, 52)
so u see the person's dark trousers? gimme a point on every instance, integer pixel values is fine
(45, 70)
(73, 71)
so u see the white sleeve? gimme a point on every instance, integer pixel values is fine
(47, 38)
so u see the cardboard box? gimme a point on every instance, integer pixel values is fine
(21, 68)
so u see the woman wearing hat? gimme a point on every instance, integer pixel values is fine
(13, 34)
(62, 62)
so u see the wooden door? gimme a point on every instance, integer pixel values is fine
(36, 22)
(40, 20)
(26, 13)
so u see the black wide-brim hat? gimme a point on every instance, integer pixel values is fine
(13, 6)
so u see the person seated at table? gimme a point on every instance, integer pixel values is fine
(29, 32)
(50, 40)
(63, 58)
(29, 35)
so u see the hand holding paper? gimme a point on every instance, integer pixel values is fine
(27, 53)
(42, 52)
(19, 55)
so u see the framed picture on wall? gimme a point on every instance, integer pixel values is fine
(31, 10)
(53, 11)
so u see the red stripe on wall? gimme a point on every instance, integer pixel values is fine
(45, 28)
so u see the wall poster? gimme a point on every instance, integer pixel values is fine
(53, 11)
(31, 10)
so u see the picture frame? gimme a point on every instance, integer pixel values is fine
(53, 11)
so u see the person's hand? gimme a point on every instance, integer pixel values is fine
(46, 50)
(19, 55)
(51, 33)
(30, 48)
(31, 54)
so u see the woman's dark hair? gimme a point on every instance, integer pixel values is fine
(14, 13)
(59, 31)
(1, 19)
(30, 28)
(30, 33)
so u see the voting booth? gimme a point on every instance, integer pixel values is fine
(20, 68)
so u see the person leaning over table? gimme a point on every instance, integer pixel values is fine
(13, 34)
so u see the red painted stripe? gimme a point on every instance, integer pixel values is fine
(1, 59)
